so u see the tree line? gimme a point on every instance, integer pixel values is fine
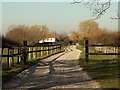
(32, 34)
(90, 30)
(19, 33)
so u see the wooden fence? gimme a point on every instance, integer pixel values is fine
(15, 55)
(100, 49)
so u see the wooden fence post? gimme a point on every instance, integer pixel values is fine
(36, 48)
(60, 47)
(18, 57)
(36, 52)
(48, 50)
(39, 52)
(11, 53)
(8, 62)
(56, 49)
(2, 53)
(51, 47)
(43, 51)
(86, 50)
(31, 53)
(25, 52)
(118, 53)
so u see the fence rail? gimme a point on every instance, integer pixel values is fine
(101, 50)
(14, 55)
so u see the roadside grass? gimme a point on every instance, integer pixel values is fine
(7, 74)
(103, 69)
(12, 72)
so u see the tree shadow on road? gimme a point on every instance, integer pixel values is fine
(63, 72)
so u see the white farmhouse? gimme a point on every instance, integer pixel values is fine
(50, 38)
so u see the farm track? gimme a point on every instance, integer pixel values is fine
(58, 71)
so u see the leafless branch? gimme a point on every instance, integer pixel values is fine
(97, 7)
(77, 1)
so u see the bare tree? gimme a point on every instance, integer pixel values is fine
(97, 7)
(88, 26)
(37, 32)
(32, 34)
(17, 33)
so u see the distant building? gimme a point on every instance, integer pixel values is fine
(50, 38)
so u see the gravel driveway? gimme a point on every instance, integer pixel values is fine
(58, 71)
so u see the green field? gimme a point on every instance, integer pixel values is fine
(103, 69)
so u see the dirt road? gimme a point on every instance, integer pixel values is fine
(58, 71)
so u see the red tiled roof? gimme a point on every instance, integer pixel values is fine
(50, 36)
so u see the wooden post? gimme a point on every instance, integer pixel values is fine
(51, 49)
(25, 52)
(118, 53)
(12, 52)
(31, 53)
(56, 49)
(60, 47)
(28, 49)
(8, 62)
(36, 52)
(41, 53)
(86, 50)
(48, 50)
(2, 52)
(21, 55)
(18, 57)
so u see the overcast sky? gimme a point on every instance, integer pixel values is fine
(58, 16)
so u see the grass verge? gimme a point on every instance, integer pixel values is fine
(10, 73)
(103, 69)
